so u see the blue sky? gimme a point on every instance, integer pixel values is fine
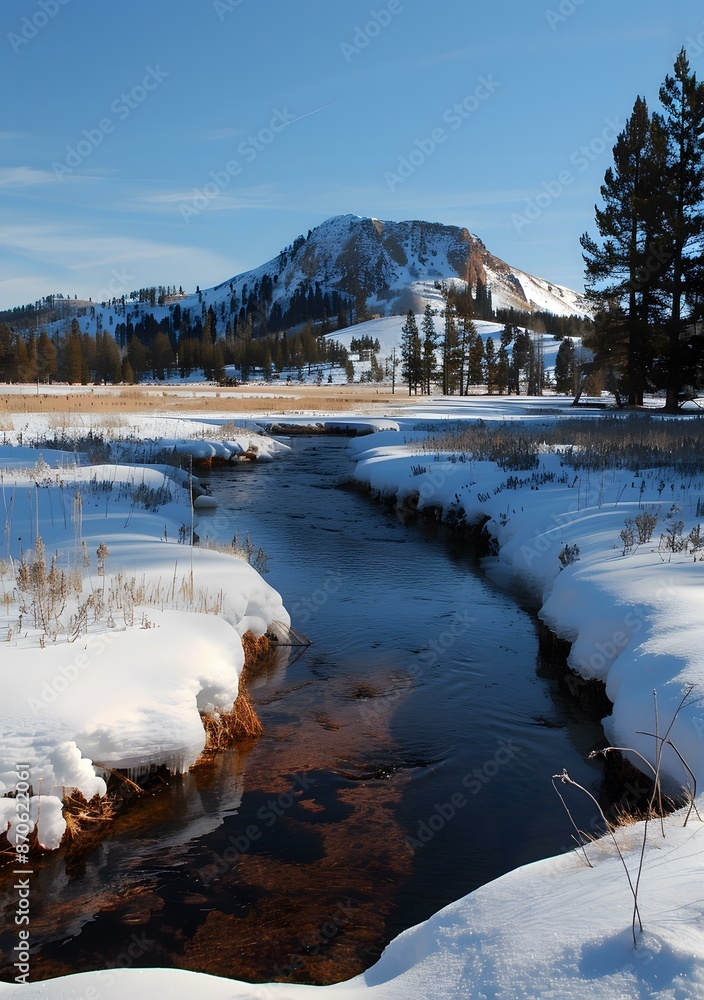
(182, 141)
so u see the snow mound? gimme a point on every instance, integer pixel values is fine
(147, 635)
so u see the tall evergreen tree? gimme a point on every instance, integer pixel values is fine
(565, 367)
(162, 356)
(211, 326)
(502, 370)
(451, 354)
(536, 364)
(682, 98)
(25, 368)
(476, 369)
(430, 343)
(491, 362)
(127, 373)
(74, 362)
(137, 354)
(645, 276)
(411, 355)
(7, 354)
(46, 358)
(624, 269)
(520, 361)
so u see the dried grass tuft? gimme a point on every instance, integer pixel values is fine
(85, 820)
(223, 729)
(255, 646)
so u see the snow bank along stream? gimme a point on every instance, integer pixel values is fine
(117, 633)
(398, 749)
(633, 622)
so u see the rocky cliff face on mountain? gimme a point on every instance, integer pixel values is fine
(394, 266)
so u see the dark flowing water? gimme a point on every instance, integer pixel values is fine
(406, 759)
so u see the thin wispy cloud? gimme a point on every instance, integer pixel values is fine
(26, 285)
(81, 249)
(261, 196)
(84, 261)
(21, 177)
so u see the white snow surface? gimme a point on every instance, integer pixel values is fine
(126, 688)
(211, 436)
(558, 929)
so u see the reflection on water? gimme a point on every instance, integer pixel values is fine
(405, 760)
(283, 880)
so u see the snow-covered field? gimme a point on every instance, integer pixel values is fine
(556, 929)
(116, 632)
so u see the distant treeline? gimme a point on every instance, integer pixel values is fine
(250, 331)
(79, 357)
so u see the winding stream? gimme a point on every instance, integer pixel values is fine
(406, 759)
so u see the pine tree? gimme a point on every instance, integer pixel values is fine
(7, 354)
(25, 368)
(376, 372)
(502, 370)
(565, 367)
(90, 355)
(75, 364)
(507, 334)
(625, 267)
(137, 354)
(108, 361)
(482, 301)
(411, 355)
(46, 358)
(218, 363)
(392, 364)
(162, 356)
(476, 370)
(127, 373)
(646, 274)
(451, 354)
(430, 343)
(536, 369)
(520, 361)
(210, 327)
(491, 363)
(682, 98)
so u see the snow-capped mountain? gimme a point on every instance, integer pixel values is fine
(395, 266)
(347, 264)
